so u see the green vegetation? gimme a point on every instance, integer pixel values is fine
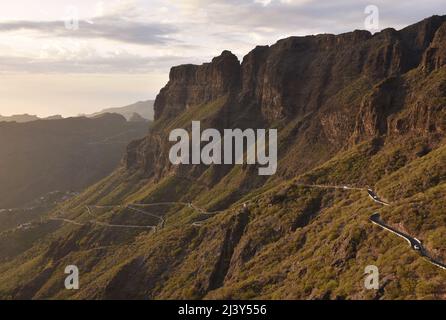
(292, 241)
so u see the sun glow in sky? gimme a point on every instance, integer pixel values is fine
(70, 57)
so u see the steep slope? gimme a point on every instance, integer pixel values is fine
(351, 110)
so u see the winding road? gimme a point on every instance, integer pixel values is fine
(135, 207)
(376, 198)
(414, 243)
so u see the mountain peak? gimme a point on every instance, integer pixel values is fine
(190, 84)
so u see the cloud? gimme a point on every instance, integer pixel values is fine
(123, 62)
(122, 51)
(110, 27)
(300, 17)
(191, 31)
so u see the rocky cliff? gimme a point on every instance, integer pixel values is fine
(328, 90)
(196, 85)
(357, 110)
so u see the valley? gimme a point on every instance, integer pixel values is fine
(361, 122)
(81, 151)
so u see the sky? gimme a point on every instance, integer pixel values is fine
(72, 57)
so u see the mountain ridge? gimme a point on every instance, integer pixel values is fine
(143, 108)
(190, 85)
(355, 110)
(74, 146)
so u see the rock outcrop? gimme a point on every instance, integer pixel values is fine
(337, 90)
(195, 85)
(353, 110)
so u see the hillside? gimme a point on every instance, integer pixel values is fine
(60, 155)
(143, 108)
(20, 118)
(353, 111)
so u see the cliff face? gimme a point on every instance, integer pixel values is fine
(356, 110)
(435, 56)
(195, 85)
(333, 90)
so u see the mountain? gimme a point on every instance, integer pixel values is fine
(20, 118)
(354, 112)
(69, 154)
(55, 117)
(23, 118)
(143, 108)
(136, 117)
